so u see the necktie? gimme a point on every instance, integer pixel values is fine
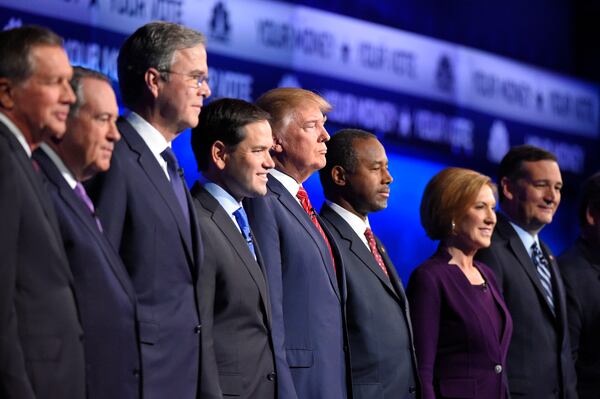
(303, 197)
(541, 265)
(242, 220)
(176, 182)
(79, 191)
(373, 245)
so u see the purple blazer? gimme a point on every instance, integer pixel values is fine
(459, 352)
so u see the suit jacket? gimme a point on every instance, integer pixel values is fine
(382, 356)
(539, 358)
(581, 274)
(461, 354)
(306, 302)
(104, 293)
(41, 353)
(142, 218)
(235, 310)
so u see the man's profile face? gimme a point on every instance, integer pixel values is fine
(368, 187)
(92, 132)
(303, 141)
(180, 97)
(247, 164)
(42, 101)
(533, 198)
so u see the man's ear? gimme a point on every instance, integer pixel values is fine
(508, 188)
(277, 146)
(6, 93)
(338, 175)
(591, 217)
(152, 78)
(219, 155)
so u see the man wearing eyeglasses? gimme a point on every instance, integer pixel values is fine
(144, 204)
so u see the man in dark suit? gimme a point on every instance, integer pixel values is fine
(144, 204)
(356, 182)
(580, 269)
(306, 298)
(231, 144)
(41, 353)
(539, 357)
(105, 295)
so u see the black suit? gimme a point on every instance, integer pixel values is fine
(382, 355)
(539, 357)
(41, 349)
(105, 295)
(580, 270)
(235, 310)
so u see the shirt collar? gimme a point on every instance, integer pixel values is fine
(223, 197)
(16, 132)
(152, 137)
(60, 165)
(356, 223)
(526, 238)
(287, 181)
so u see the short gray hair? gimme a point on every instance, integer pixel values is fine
(151, 46)
(16, 46)
(80, 73)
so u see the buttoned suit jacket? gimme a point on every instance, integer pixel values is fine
(540, 365)
(382, 356)
(143, 219)
(581, 275)
(306, 301)
(41, 352)
(237, 351)
(104, 293)
(461, 354)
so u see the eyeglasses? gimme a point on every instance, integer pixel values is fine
(199, 79)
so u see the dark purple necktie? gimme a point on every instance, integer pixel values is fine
(175, 174)
(80, 192)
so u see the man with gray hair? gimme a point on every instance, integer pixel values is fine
(41, 353)
(144, 204)
(105, 295)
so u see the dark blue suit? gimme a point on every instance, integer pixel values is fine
(382, 354)
(105, 296)
(41, 353)
(307, 305)
(142, 218)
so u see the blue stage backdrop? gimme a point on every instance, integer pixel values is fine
(433, 103)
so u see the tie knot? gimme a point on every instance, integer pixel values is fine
(369, 233)
(169, 156)
(241, 217)
(302, 194)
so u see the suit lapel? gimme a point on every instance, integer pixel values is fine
(36, 182)
(86, 219)
(518, 249)
(235, 238)
(286, 199)
(358, 248)
(157, 176)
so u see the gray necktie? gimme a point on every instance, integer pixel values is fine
(541, 265)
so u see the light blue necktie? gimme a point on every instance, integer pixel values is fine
(242, 220)
(541, 265)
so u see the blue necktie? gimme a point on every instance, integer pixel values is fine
(176, 182)
(541, 265)
(242, 220)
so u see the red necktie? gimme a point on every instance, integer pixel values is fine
(373, 245)
(303, 197)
